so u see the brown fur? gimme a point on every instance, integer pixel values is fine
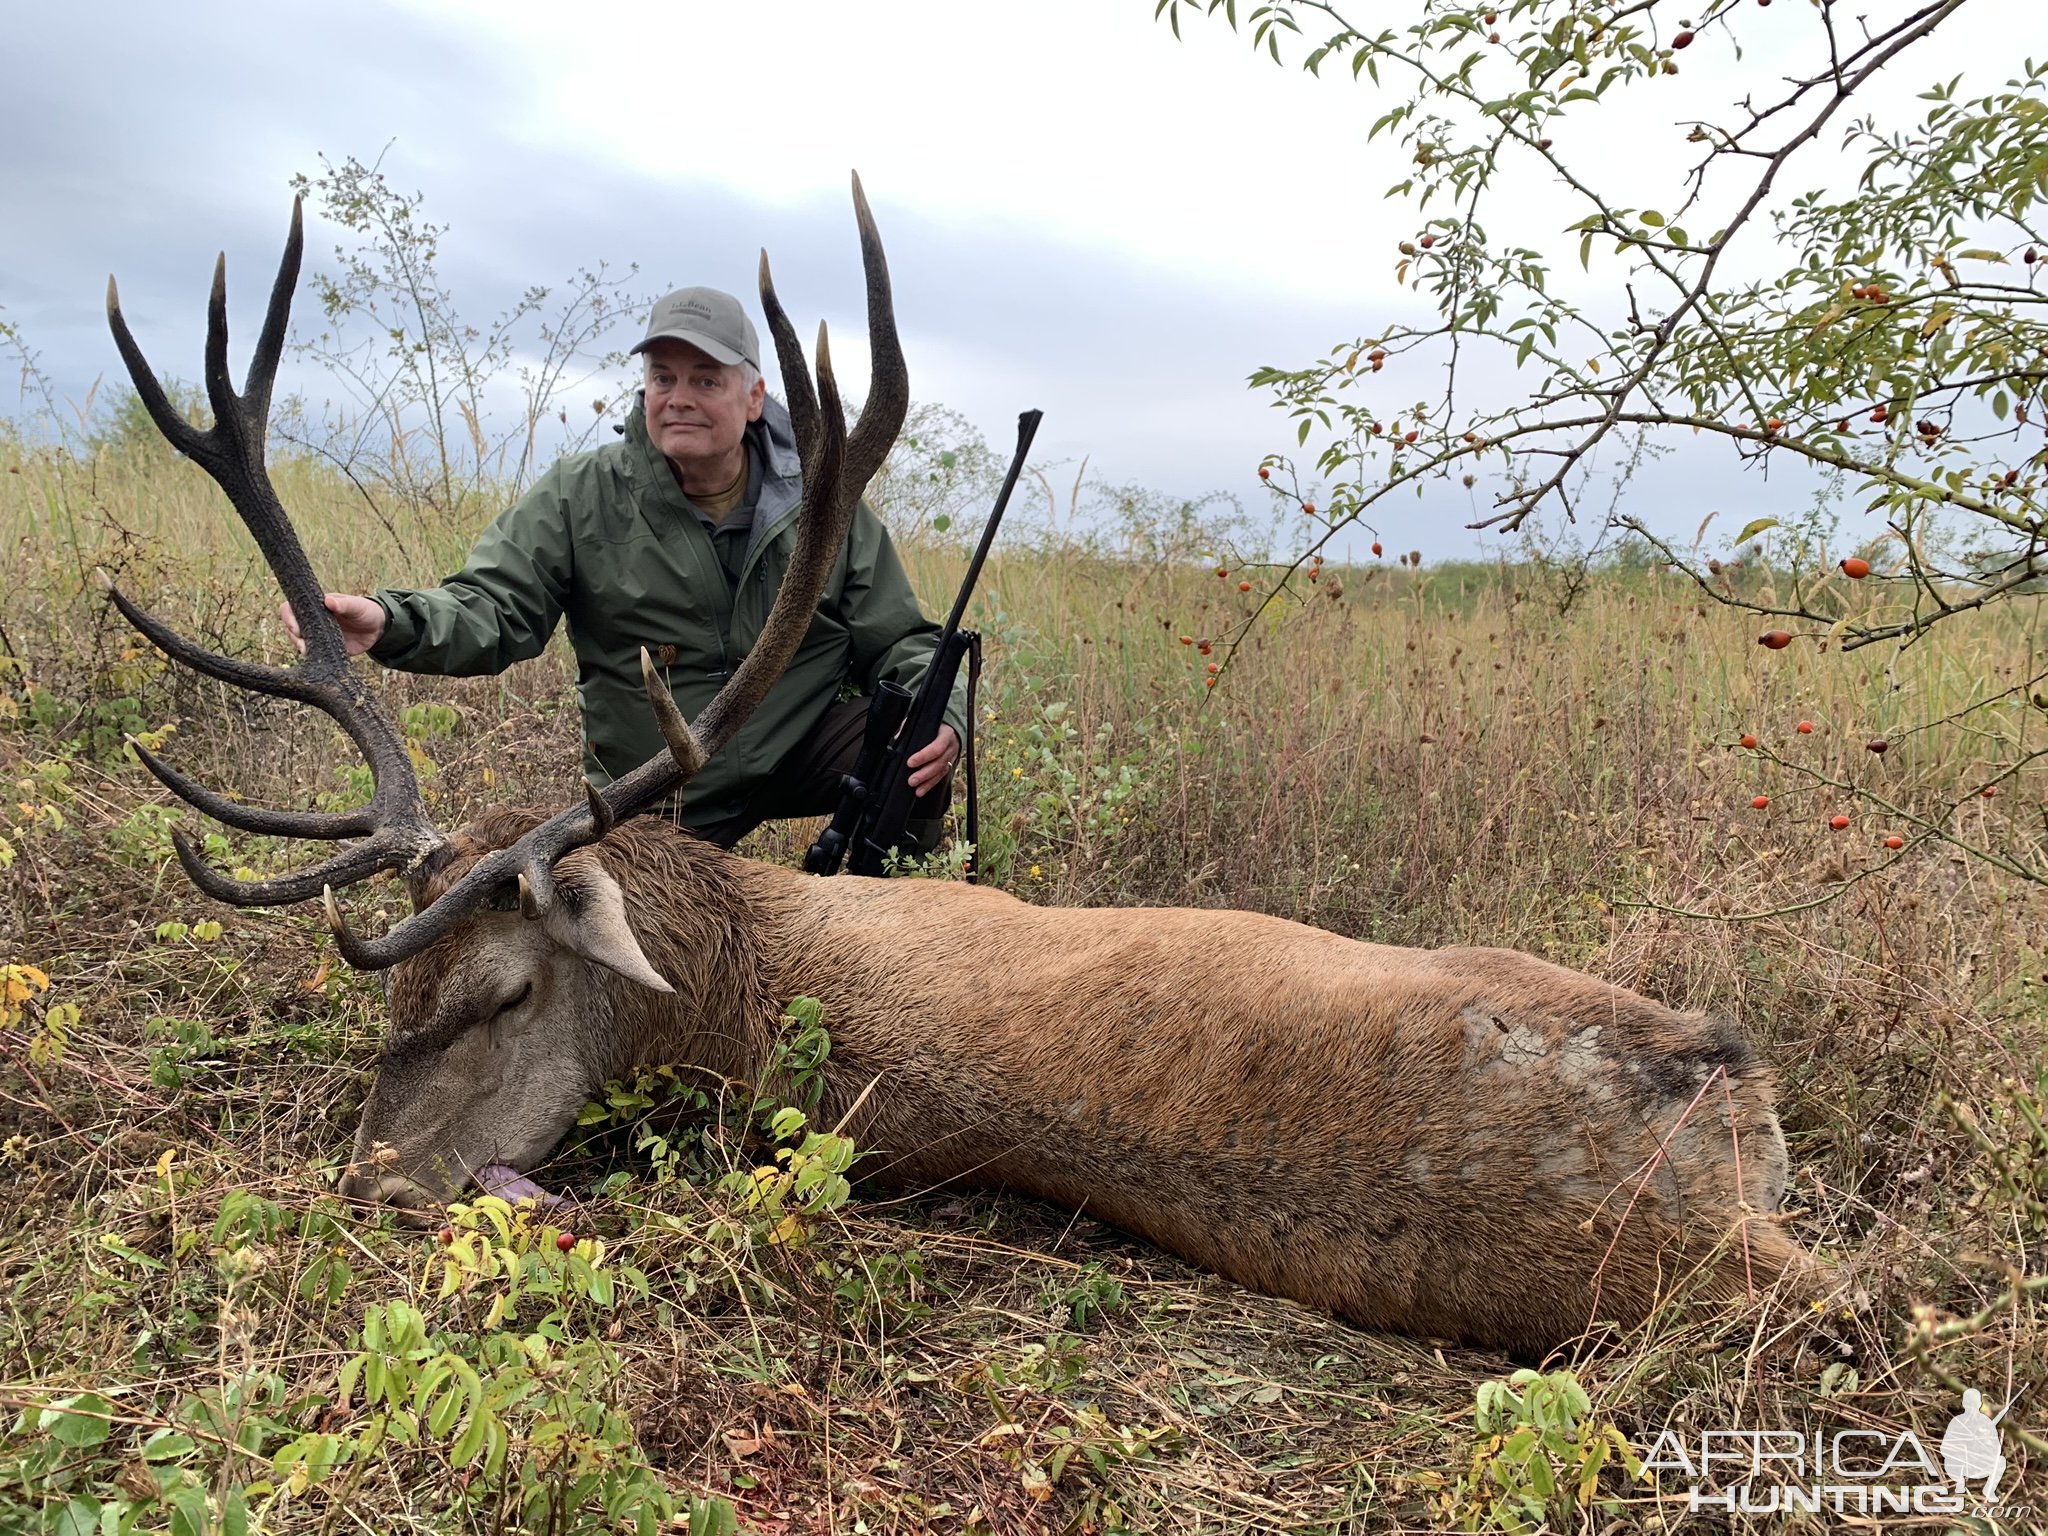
(1464, 1143)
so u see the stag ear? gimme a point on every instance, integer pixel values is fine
(589, 919)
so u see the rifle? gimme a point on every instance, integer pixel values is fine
(875, 799)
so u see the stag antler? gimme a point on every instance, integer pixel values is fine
(836, 472)
(394, 823)
(399, 835)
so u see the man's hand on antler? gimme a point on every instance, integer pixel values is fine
(361, 620)
(930, 765)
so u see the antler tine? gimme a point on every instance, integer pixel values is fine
(683, 749)
(796, 377)
(279, 682)
(276, 320)
(180, 433)
(413, 934)
(232, 451)
(359, 863)
(256, 818)
(888, 401)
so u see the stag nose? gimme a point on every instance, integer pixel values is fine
(375, 1186)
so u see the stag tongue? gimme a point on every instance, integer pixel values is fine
(508, 1183)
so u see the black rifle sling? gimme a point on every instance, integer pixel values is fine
(971, 870)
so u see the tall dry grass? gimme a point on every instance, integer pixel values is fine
(1446, 756)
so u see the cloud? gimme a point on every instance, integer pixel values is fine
(1082, 215)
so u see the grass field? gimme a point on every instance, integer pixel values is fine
(198, 1332)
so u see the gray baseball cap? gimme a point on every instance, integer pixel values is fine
(708, 320)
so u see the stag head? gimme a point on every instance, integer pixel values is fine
(505, 982)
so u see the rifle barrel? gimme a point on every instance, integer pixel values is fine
(1027, 428)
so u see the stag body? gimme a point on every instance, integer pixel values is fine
(1466, 1143)
(1462, 1143)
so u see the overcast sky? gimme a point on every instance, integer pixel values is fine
(1081, 213)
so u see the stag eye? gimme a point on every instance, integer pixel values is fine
(494, 1025)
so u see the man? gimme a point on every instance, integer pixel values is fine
(676, 538)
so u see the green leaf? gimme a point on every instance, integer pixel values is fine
(189, 1514)
(167, 1445)
(1652, 217)
(81, 1421)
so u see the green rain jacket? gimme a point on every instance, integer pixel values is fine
(607, 540)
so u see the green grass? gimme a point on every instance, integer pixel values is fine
(1423, 758)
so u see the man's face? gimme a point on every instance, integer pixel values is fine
(697, 411)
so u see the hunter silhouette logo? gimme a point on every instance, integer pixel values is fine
(1970, 1446)
(1846, 1470)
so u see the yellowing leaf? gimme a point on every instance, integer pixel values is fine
(1753, 529)
(1935, 322)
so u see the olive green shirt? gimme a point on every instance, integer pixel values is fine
(607, 540)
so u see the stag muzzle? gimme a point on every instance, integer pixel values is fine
(367, 1184)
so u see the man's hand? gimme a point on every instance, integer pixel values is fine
(929, 766)
(361, 620)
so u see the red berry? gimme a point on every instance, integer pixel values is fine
(1682, 40)
(1878, 413)
(1222, 572)
(1895, 841)
(1426, 241)
(1244, 586)
(1989, 790)
(1750, 742)
(1213, 666)
(1855, 568)
(1376, 548)
(1804, 727)
(1878, 745)
(1408, 437)
(447, 1236)
(565, 1241)
(1308, 509)
(1760, 803)
(1265, 473)
(1839, 823)
(1774, 425)
(1206, 648)
(1187, 639)
(1774, 639)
